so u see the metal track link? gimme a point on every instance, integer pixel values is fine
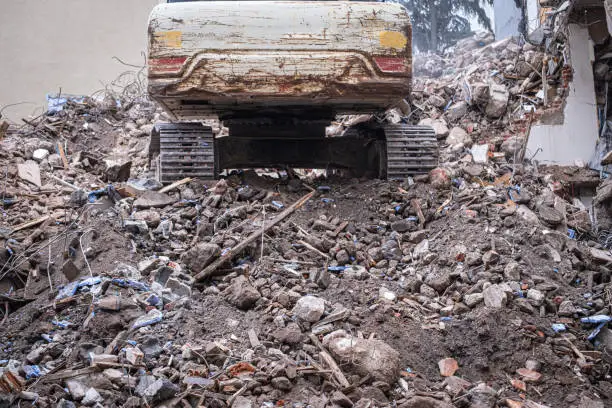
(411, 150)
(185, 150)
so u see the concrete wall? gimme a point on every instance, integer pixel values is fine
(46, 45)
(576, 138)
(507, 18)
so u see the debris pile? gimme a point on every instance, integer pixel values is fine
(481, 284)
(488, 93)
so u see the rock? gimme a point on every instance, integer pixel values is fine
(309, 309)
(153, 199)
(282, 383)
(550, 215)
(458, 136)
(29, 171)
(151, 347)
(76, 389)
(117, 169)
(402, 226)
(512, 146)
(70, 271)
(151, 217)
(343, 257)
(134, 356)
(490, 258)
(40, 154)
(289, 335)
(473, 299)
(242, 294)
(425, 402)
(178, 287)
(133, 402)
(136, 226)
(529, 375)
(567, 309)
(525, 213)
(386, 295)
(498, 101)
(483, 396)
(55, 161)
(242, 402)
(65, 404)
(586, 402)
(495, 297)
(533, 365)
(91, 397)
(456, 386)
(200, 256)
(341, 400)
(439, 178)
(457, 111)
(536, 297)
(366, 356)
(512, 272)
(155, 389)
(36, 355)
(438, 125)
(448, 367)
(436, 100)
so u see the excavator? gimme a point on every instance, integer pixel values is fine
(276, 74)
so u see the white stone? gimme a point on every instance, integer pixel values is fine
(309, 308)
(498, 101)
(536, 296)
(91, 397)
(40, 154)
(495, 297)
(473, 299)
(458, 136)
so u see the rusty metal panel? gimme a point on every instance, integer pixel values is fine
(280, 51)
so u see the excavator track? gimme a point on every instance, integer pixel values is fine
(182, 150)
(410, 150)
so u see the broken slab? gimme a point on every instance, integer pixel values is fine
(153, 199)
(29, 171)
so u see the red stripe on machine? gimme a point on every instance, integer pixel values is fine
(390, 64)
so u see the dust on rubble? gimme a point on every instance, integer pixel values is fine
(462, 288)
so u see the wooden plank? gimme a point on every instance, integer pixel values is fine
(30, 224)
(209, 270)
(62, 154)
(175, 185)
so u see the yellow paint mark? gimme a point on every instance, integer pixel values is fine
(171, 39)
(393, 39)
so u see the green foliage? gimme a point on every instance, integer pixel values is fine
(437, 24)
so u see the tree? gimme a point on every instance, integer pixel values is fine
(437, 24)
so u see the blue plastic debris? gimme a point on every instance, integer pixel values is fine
(595, 332)
(67, 290)
(559, 327)
(278, 204)
(55, 103)
(31, 371)
(132, 342)
(336, 268)
(324, 189)
(597, 319)
(94, 280)
(154, 316)
(225, 251)
(571, 233)
(61, 323)
(446, 319)
(129, 283)
(153, 300)
(47, 338)
(327, 200)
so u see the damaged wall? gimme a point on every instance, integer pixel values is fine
(69, 44)
(576, 138)
(507, 19)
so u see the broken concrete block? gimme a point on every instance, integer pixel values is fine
(117, 169)
(134, 356)
(457, 111)
(366, 356)
(498, 101)
(242, 294)
(29, 171)
(495, 297)
(153, 199)
(70, 271)
(198, 257)
(309, 308)
(40, 154)
(458, 136)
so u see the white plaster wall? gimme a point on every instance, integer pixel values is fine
(507, 18)
(46, 45)
(577, 137)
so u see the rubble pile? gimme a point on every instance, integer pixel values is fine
(487, 92)
(479, 285)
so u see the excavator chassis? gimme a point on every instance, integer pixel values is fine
(392, 151)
